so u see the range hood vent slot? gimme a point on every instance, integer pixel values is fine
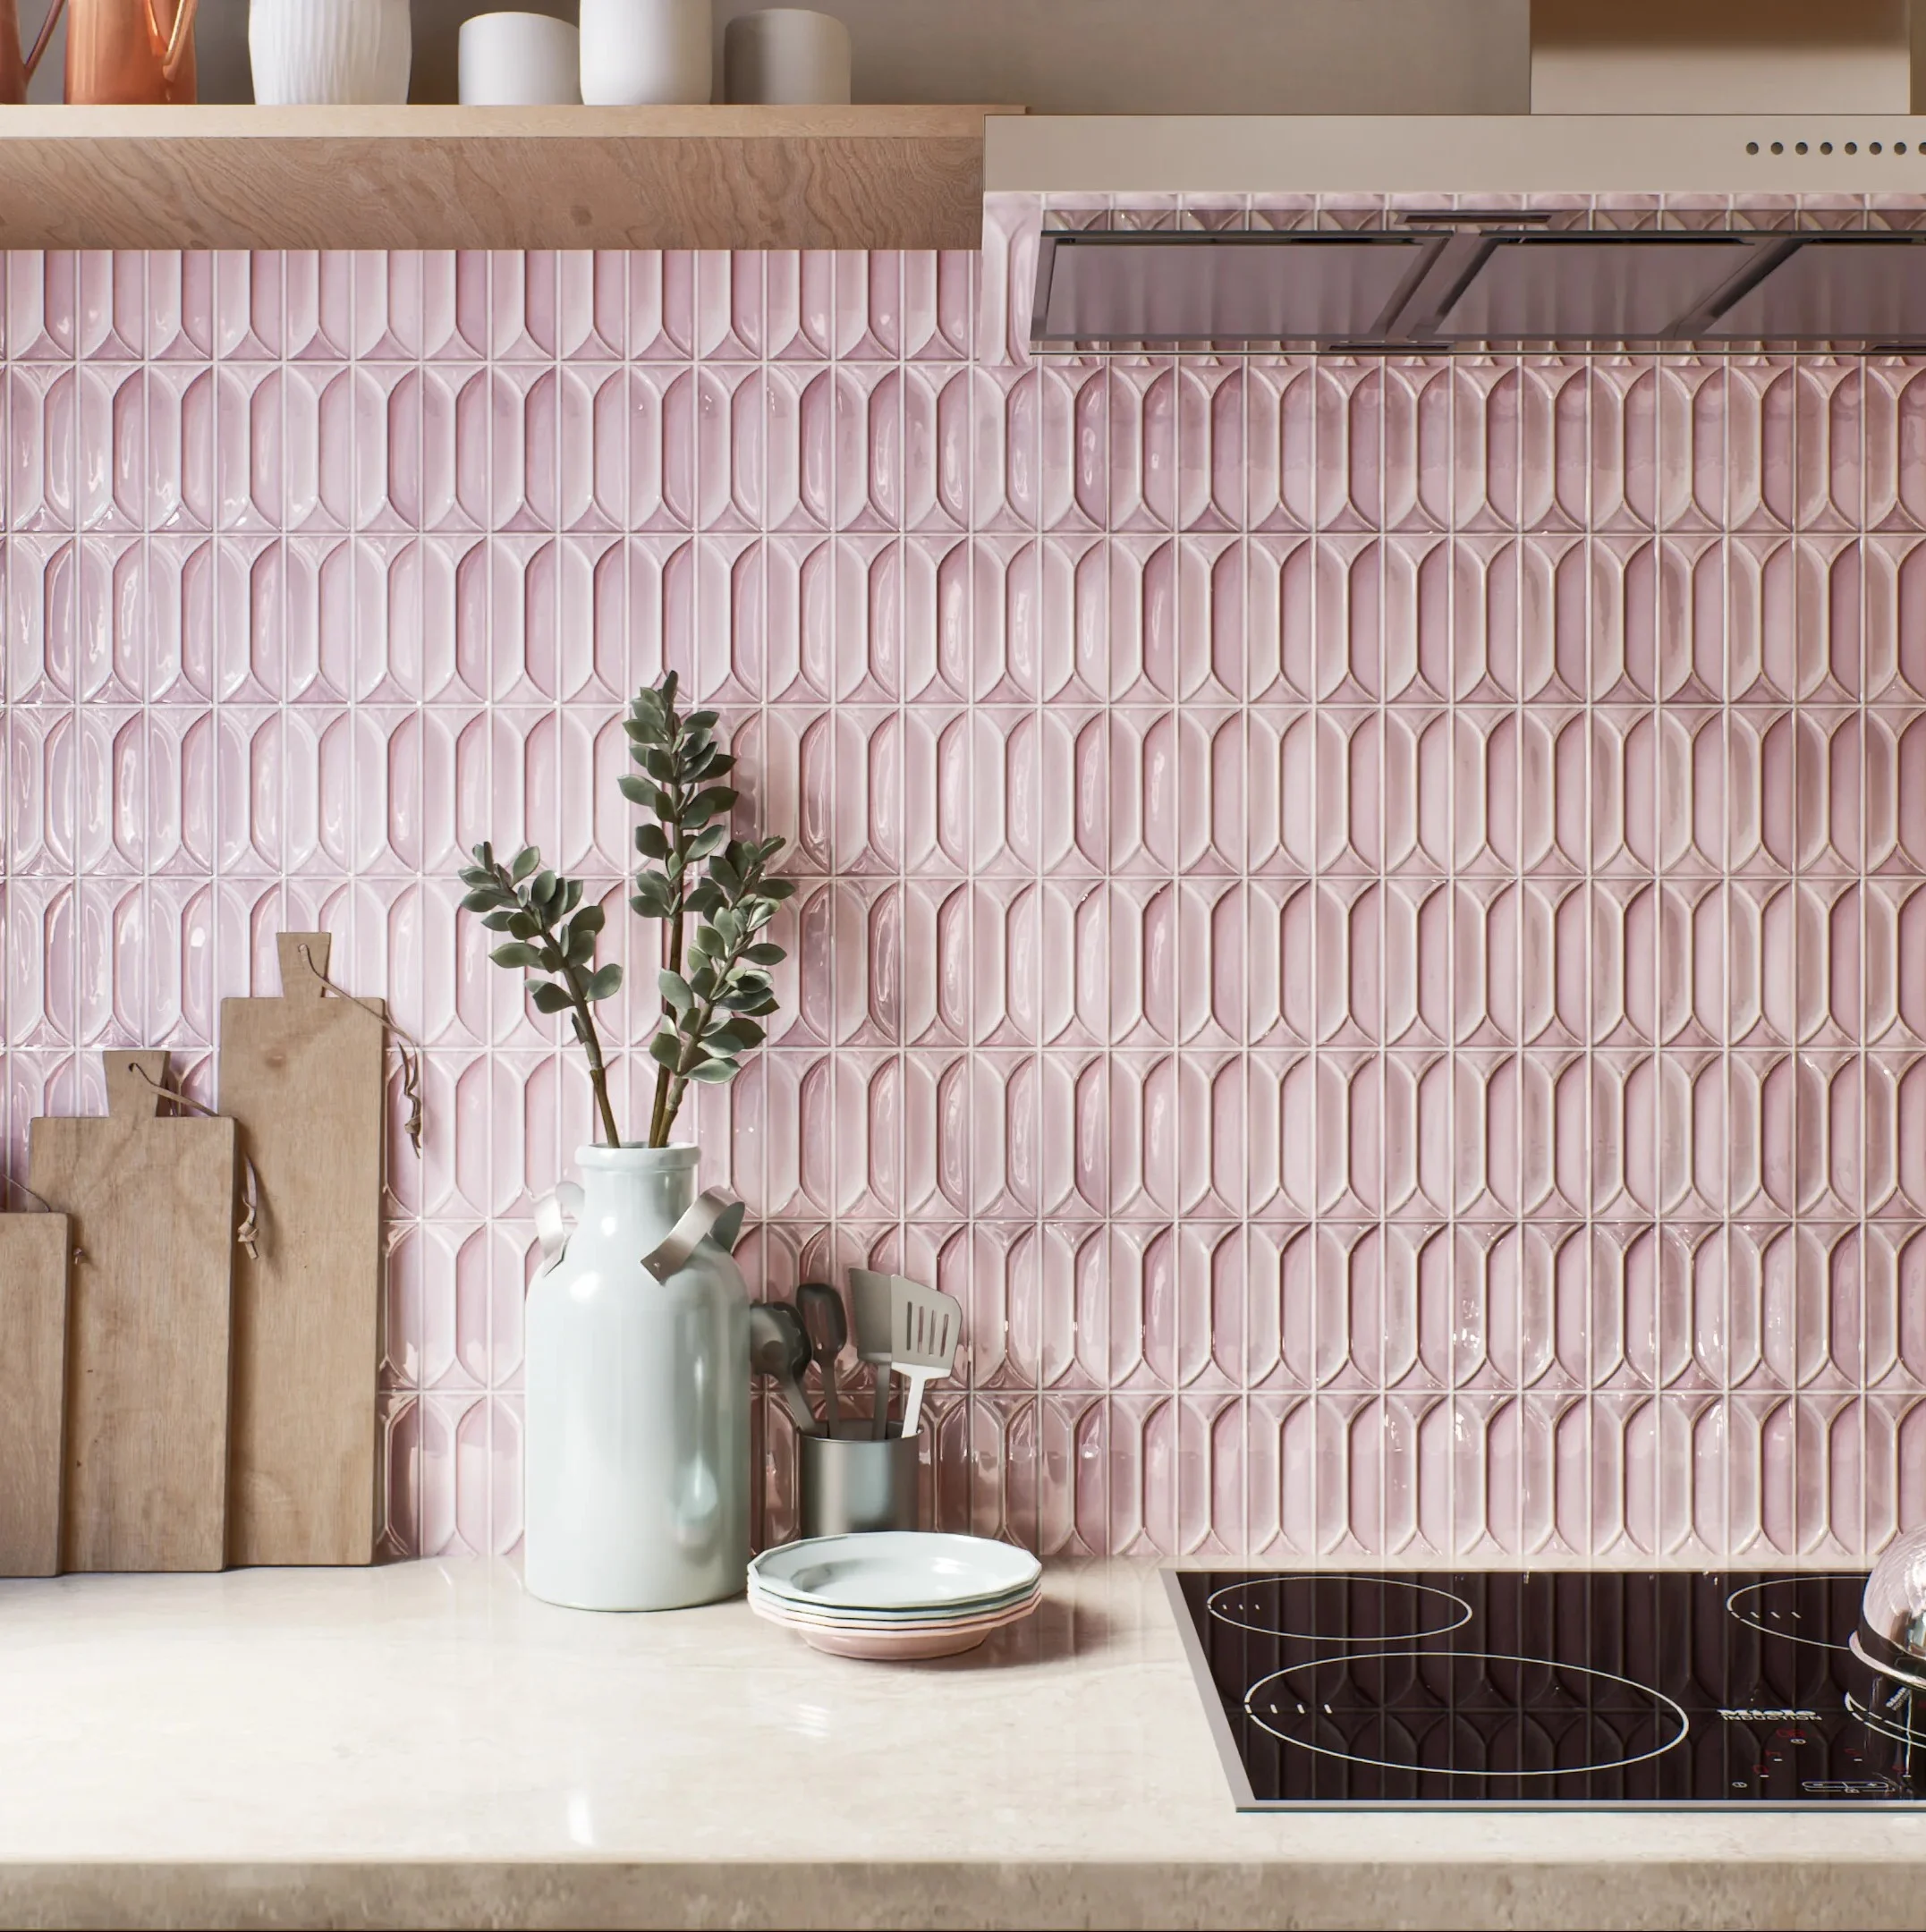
(1430, 290)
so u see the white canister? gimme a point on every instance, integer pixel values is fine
(519, 60)
(786, 57)
(639, 52)
(329, 53)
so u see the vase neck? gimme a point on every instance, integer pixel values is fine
(639, 1188)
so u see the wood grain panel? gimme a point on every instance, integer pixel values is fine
(149, 1326)
(491, 177)
(34, 1250)
(302, 1076)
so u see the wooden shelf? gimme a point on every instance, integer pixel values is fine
(492, 177)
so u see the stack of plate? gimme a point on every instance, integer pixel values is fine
(894, 1593)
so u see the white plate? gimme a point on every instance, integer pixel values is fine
(896, 1569)
(782, 1609)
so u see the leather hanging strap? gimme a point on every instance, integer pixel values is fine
(555, 1215)
(711, 1214)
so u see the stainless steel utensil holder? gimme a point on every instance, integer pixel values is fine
(853, 1483)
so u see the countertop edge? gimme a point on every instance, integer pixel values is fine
(1310, 1892)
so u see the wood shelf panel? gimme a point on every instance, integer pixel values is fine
(492, 177)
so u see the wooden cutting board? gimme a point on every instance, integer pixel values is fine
(147, 1327)
(34, 1252)
(303, 1076)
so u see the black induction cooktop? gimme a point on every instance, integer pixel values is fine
(1507, 1688)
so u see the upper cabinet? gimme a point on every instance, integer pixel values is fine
(492, 177)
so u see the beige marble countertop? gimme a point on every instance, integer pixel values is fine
(424, 1744)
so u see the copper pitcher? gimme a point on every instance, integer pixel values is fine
(130, 52)
(15, 73)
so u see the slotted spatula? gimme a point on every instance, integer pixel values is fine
(924, 1325)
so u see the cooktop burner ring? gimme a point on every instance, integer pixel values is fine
(1314, 1578)
(1786, 1584)
(1660, 1705)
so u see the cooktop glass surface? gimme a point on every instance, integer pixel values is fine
(1549, 1688)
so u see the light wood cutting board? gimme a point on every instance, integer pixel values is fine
(149, 1325)
(34, 1252)
(303, 1076)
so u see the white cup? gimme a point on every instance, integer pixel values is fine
(635, 52)
(786, 57)
(519, 60)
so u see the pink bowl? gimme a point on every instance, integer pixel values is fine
(899, 1644)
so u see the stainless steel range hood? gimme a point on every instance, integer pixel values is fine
(1520, 231)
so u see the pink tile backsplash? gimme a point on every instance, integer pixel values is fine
(1355, 913)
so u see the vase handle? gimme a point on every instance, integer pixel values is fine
(554, 1216)
(711, 1214)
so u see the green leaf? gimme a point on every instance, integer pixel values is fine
(778, 889)
(706, 842)
(724, 875)
(526, 861)
(666, 1049)
(607, 979)
(484, 856)
(571, 894)
(738, 1036)
(579, 948)
(704, 944)
(547, 995)
(523, 924)
(591, 919)
(659, 765)
(637, 791)
(543, 889)
(498, 920)
(766, 953)
(651, 897)
(701, 721)
(705, 805)
(714, 1071)
(650, 842)
(516, 955)
(676, 991)
(480, 898)
(704, 900)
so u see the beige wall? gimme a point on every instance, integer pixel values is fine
(1064, 56)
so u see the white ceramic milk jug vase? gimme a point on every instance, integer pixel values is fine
(636, 1437)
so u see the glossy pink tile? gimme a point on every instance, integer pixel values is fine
(1356, 914)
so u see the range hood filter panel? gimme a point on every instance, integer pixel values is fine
(1114, 287)
(1569, 287)
(1839, 289)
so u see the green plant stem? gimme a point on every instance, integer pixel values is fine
(592, 1042)
(676, 1084)
(662, 1115)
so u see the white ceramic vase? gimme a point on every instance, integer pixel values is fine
(642, 52)
(334, 53)
(636, 1429)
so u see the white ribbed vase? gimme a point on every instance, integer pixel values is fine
(331, 52)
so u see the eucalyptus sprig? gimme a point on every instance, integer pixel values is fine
(711, 1014)
(714, 994)
(552, 932)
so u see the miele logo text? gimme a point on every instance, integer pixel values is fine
(1769, 1717)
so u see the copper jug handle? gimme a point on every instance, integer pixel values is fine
(171, 49)
(47, 34)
